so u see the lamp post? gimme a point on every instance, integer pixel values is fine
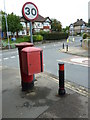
(6, 25)
(83, 29)
(71, 28)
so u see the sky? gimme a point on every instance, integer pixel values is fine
(65, 11)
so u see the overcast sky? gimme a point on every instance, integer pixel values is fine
(66, 11)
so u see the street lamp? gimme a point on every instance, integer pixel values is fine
(71, 28)
(6, 25)
(83, 29)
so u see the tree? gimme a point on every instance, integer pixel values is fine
(3, 21)
(13, 22)
(56, 25)
(66, 29)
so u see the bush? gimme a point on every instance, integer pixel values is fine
(13, 45)
(37, 38)
(4, 44)
(85, 36)
(55, 36)
(41, 32)
(26, 38)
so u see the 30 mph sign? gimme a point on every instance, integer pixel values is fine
(30, 11)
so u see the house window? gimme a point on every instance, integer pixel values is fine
(38, 24)
(23, 32)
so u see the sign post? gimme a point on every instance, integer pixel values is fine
(30, 13)
(31, 38)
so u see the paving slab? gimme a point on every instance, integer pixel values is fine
(76, 51)
(43, 101)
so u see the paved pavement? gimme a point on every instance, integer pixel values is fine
(43, 101)
(78, 50)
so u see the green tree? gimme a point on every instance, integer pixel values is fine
(66, 30)
(13, 22)
(56, 25)
(3, 21)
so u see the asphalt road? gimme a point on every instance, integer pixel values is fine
(73, 72)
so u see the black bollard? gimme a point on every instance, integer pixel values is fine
(63, 45)
(81, 42)
(61, 90)
(66, 47)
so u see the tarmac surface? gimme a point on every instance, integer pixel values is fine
(43, 101)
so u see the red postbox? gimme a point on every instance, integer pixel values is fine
(32, 60)
(20, 46)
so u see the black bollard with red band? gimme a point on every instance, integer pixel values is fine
(61, 90)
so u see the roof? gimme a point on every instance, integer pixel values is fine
(39, 19)
(48, 18)
(79, 22)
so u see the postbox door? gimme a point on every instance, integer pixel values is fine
(34, 62)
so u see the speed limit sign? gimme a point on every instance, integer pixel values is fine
(30, 11)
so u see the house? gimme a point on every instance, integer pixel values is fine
(39, 24)
(79, 27)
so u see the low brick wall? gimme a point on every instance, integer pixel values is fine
(86, 44)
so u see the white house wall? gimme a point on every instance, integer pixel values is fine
(23, 24)
(38, 25)
(22, 32)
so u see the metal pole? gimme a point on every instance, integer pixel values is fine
(67, 47)
(31, 32)
(31, 42)
(63, 45)
(6, 25)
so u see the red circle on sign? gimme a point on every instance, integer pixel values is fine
(23, 12)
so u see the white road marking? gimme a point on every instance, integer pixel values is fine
(12, 56)
(73, 88)
(5, 58)
(74, 62)
(79, 60)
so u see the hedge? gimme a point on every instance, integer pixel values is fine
(54, 36)
(85, 36)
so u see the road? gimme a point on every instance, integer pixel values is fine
(77, 73)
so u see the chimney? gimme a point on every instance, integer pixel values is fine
(77, 20)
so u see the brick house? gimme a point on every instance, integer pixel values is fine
(78, 27)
